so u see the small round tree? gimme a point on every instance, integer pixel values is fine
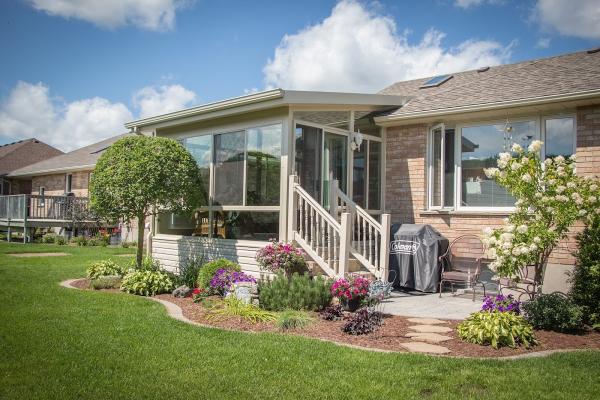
(551, 197)
(140, 176)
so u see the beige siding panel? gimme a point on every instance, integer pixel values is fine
(172, 250)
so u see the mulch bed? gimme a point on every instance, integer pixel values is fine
(387, 338)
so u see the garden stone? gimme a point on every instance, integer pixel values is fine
(244, 291)
(427, 321)
(428, 337)
(420, 347)
(182, 291)
(430, 328)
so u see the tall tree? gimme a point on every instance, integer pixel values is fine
(141, 176)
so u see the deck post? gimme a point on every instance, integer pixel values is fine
(292, 208)
(345, 236)
(24, 214)
(384, 248)
(9, 232)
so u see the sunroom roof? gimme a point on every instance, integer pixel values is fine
(275, 98)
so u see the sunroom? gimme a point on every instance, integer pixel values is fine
(247, 149)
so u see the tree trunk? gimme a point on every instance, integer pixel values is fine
(140, 239)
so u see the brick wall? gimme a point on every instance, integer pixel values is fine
(406, 184)
(55, 184)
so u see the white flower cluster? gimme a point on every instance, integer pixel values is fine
(535, 146)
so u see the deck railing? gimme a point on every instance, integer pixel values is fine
(42, 207)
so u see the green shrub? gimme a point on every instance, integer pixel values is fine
(148, 264)
(189, 271)
(292, 319)
(147, 282)
(125, 244)
(60, 240)
(106, 282)
(363, 321)
(49, 238)
(80, 240)
(105, 268)
(207, 271)
(298, 292)
(234, 307)
(497, 329)
(585, 278)
(94, 242)
(554, 312)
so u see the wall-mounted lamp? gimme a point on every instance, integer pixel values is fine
(357, 139)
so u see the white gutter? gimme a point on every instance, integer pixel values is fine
(211, 107)
(53, 170)
(489, 106)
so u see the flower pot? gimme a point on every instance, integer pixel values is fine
(352, 305)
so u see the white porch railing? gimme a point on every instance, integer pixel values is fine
(330, 238)
(369, 238)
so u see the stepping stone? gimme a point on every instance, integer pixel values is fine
(420, 347)
(430, 328)
(428, 337)
(426, 321)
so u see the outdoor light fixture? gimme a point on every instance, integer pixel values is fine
(357, 139)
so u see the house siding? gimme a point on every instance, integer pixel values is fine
(55, 184)
(173, 251)
(406, 187)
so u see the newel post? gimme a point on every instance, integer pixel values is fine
(292, 208)
(333, 198)
(345, 237)
(384, 248)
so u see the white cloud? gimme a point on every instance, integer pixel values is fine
(474, 3)
(154, 100)
(30, 111)
(155, 15)
(543, 43)
(357, 49)
(579, 18)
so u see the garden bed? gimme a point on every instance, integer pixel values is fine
(388, 337)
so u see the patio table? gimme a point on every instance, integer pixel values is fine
(414, 253)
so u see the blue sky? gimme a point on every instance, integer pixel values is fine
(65, 70)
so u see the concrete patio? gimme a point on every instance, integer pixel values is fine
(430, 305)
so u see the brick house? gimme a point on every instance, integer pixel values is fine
(332, 171)
(66, 174)
(14, 156)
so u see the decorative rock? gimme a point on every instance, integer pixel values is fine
(427, 321)
(428, 337)
(430, 328)
(182, 291)
(420, 347)
(243, 291)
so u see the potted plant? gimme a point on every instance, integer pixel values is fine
(281, 257)
(351, 292)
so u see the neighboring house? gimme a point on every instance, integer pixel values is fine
(14, 156)
(53, 180)
(270, 159)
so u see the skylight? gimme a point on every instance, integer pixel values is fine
(436, 81)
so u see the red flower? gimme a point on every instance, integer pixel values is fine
(196, 291)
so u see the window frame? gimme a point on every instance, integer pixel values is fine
(546, 117)
(210, 207)
(68, 182)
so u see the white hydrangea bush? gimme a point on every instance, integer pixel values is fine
(551, 197)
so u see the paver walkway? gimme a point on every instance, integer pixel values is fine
(430, 305)
(427, 335)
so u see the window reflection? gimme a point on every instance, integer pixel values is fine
(229, 168)
(246, 225)
(263, 165)
(200, 147)
(560, 137)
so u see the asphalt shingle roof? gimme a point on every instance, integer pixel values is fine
(24, 152)
(559, 75)
(85, 156)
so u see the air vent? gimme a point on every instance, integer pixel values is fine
(592, 51)
(483, 69)
(436, 81)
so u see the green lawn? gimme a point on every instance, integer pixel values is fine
(67, 344)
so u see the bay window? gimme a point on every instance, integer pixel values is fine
(458, 157)
(241, 172)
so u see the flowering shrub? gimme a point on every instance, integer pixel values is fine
(224, 278)
(281, 256)
(199, 294)
(346, 290)
(550, 199)
(501, 303)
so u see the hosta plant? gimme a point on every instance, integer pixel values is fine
(551, 197)
(105, 268)
(147, 282)
(496, 329)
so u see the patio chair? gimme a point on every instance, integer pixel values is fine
(461, 263)
(525, 285)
